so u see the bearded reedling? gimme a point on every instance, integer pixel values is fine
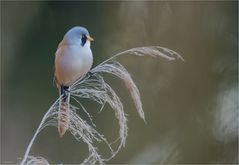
(73, 59)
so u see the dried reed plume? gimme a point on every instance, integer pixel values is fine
(94, 87)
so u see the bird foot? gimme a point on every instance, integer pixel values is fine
(90, 74)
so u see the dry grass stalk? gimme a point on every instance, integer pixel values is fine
(95, 88)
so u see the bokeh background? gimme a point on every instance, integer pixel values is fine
(191, 107)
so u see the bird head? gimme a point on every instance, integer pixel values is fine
(78, 35)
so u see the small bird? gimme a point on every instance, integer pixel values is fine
(73, 59)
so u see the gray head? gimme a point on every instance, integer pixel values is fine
(77, 35)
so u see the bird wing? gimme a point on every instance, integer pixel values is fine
(54, 78)
(55, 81)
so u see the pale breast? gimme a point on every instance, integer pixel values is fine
(71, 63)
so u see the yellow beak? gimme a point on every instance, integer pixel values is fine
(89, 38)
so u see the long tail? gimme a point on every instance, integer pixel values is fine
(64, 112)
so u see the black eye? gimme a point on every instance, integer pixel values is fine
(83, 39)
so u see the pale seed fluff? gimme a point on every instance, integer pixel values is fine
(94, 87)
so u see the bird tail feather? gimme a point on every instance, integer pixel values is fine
(63, 115)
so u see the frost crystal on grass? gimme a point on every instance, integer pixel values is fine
(95, 88)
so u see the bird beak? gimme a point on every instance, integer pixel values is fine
(89, 38)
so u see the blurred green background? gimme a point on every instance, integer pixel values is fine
(191, 107)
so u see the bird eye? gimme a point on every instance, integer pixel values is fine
(83, 39)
